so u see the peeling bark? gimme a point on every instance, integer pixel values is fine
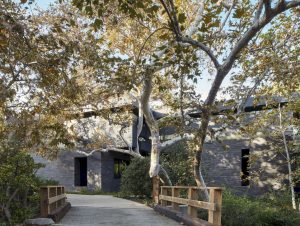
(139, 126)
(152, 124)
(203, 185)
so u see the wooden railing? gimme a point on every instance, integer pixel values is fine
(52, 198)
(171, 195)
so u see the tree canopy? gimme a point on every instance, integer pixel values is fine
(71, 58)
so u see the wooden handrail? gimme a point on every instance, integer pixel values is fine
(52, 198)
(194, 203)
(56, 198)
(193, 187)
(213, 205)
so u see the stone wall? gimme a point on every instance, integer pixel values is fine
(222, 167)
(109, 182)
(62, 169)
(100, 170)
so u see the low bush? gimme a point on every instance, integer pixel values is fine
(135, 179)
(261, 211)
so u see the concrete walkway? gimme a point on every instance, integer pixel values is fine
(91, 210)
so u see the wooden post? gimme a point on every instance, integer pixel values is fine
(175, 193)
(164, 191)
(63, 192)
(44, 204)
(192, 195)
(155, 189)
(214, 217)
(56, 193)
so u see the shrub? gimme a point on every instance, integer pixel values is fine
(47, 182)
(261, 211)
(135, 178)
(19, 197)
(175, 159)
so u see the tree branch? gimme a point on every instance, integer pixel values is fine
(123, 138)
(258, 12)
(268, 9)
(203, 47)
(186, 39)
(193, 28)
(255, 28)
(87, 154)
(174, 15)
(227, 16)
(292, 4)
(170, 17)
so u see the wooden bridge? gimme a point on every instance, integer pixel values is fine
(91, 210)
(108, 210)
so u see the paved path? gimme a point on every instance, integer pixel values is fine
(91, 210)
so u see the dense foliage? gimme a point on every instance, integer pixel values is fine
(175, 159)
(271, 210)
(19, 186)
(135, 178)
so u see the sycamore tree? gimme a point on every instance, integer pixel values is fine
(220, 33)
(50, 75)
(28, 64)
(274, 78)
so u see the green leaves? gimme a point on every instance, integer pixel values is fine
(97, 24)
(239, 13)
(181, 18)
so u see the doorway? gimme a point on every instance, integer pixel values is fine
(80, 164)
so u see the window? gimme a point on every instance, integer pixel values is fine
(119, 167)
(80, 171)
(245, 167)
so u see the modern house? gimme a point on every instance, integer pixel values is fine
(90, 169)
(94, 164)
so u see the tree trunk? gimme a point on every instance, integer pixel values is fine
(139, 125)
(7, 214)
(202, 132)
(164, 176)
(291, 182)
(7, 205)
(155, 168)
(152, 124)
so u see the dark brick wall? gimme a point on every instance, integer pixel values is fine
(62, 170)
(222, 167)
(109, 182)
(100, 170)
